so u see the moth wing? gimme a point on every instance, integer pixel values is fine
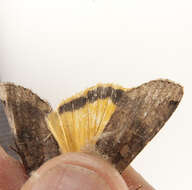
(26, 115)
(140, 113)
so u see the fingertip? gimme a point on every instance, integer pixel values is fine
(74, 170)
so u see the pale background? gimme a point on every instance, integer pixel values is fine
(58, 47)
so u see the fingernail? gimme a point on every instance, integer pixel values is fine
(3, 154)
(70, 177)
(134, 180)
(12, 175)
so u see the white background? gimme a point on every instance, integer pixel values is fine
(60, 47)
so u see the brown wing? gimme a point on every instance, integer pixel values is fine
(140, 114)
(26, 114)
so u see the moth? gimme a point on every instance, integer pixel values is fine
(107, 119)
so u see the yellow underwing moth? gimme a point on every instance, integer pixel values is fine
(113, 121)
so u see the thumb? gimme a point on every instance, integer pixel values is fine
(76, 171)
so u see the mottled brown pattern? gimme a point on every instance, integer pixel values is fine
(26, 114)
(140, 114)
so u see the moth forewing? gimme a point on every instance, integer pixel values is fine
(26, 115)
(140, 113)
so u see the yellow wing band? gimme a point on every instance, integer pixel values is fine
(78, 121)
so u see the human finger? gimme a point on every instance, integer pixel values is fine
(12, 174)
(74, 171)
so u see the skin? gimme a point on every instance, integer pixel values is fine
(72, 171)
